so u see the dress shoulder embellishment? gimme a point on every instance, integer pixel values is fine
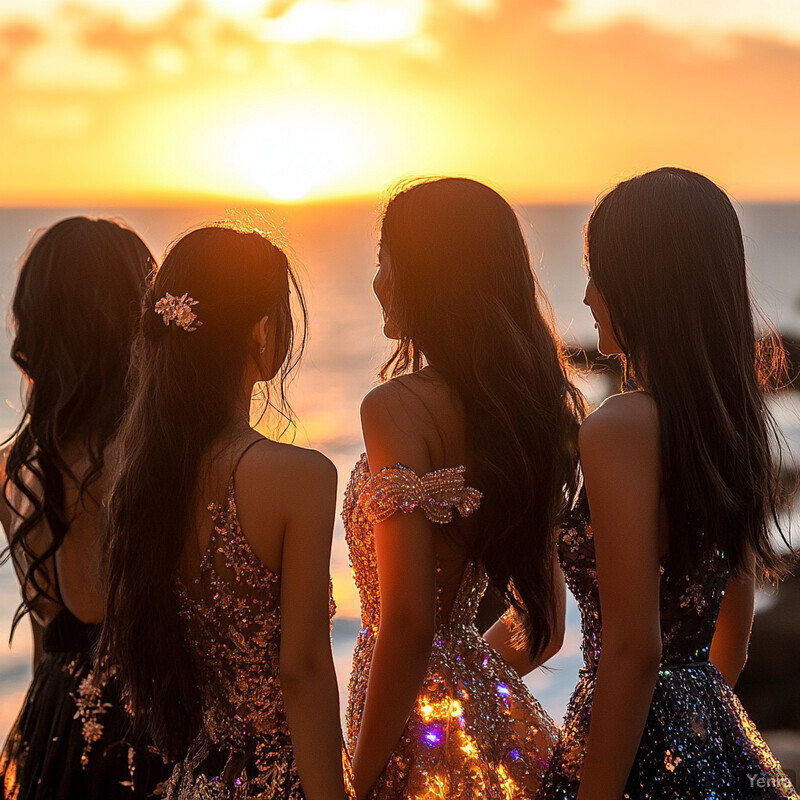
(399, 488)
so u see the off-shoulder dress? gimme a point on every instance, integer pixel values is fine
(475, 731)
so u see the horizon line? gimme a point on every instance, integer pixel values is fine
(201, 201)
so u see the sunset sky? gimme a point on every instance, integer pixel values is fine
(152, 101)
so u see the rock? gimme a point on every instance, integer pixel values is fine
(769, 686)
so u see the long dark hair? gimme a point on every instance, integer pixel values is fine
(467, 301)
(74, 310)
(665, 251)
(184, 389)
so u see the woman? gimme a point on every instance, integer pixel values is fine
(219, 538)
(473, 440)
(74, 310)
(681, 488)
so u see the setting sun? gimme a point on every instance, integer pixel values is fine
(291, 153)
(300, 100)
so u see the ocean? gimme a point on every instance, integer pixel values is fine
(335, 247)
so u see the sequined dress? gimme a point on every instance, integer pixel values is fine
(69, 740)
(475, 731)
(232, 624)
(698, 742)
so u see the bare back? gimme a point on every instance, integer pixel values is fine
(255, 594)
(253, 469)
(73, 577)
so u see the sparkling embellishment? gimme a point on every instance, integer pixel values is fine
(90, 708)
(36, 759)
(232, 624)
(178, 310)
(437, 493)
(698, 742)
(475, 731)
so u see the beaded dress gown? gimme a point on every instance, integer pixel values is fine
(232, 624)
(698, 742)
(69, 740)
(475, 731)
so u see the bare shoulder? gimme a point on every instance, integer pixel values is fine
(282, 465)
(622, 418)
(388, 402)
(417, 402)
(398, 419)
(621, 442)
(280, 485)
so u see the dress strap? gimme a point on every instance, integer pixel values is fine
(56, 580)
(219, 509)
(239, 459)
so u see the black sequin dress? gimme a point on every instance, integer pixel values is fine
(698, 742)
(69, 740)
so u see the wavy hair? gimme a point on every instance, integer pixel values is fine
(74, 311)
(466, 299)
(665, 251)
(184, 388)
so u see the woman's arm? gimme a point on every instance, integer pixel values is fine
(620, 458)
(308, 679)
(406, 555)
(503, 635)
(729, 645)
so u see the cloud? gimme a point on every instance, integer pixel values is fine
(715, 21)
(348, 22)
(52, 120)
(351, 22)
(16, 38)
(102, 46)
(82, 49)
(478, 6)
(57, 61)
(43, 11)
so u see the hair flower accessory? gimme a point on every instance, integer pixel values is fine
(178, 310)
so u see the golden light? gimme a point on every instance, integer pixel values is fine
(353, 22)
(292, 153)
(173, 100)
(235, 8)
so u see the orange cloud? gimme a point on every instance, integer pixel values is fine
(708, 20)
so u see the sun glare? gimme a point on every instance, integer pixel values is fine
(293, 153)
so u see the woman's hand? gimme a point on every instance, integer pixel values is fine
(734, 622)
(504, 636)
